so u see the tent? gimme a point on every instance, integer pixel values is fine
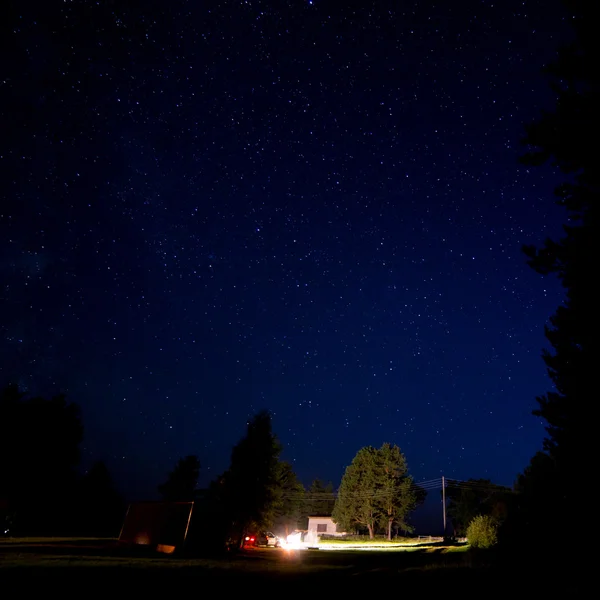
(161, 526)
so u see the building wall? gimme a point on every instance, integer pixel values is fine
(325, 524)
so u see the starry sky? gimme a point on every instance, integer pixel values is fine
(210, 208)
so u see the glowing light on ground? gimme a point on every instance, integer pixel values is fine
(300, 541)
(293, 542)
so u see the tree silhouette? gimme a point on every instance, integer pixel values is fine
(250, 486)
(289, 499)
(566, 137)
(39, 453)
(539, 473)
(467, 499)
(420, 494)
(182, 480)
(320, 499)
(101, 505)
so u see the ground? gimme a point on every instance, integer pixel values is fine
(105, 563)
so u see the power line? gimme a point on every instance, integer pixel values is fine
(425, 483)
(331, 496)
(319, 495)
(476, 486)
(414, 486)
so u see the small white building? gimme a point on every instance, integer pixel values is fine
(323, 526)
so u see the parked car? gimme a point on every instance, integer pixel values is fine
(263, 538)
(266, 538)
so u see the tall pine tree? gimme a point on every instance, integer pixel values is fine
(356, 504)
(567, 138)
(376, 489)
(252, 483)
(395, 495)
(287, 510)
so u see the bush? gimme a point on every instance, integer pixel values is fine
(482, 532)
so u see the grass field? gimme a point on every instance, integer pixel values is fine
(101, 564)
(46, 554)
(363, 542)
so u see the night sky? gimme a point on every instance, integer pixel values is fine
(209, 208)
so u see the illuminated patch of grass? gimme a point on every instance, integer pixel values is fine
(457, 549)
(399, 544)
(356, 540)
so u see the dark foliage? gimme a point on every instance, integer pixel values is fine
(468, 499)
(182, 480)
(567, 138)
(289, 500)
(420, 494)
(560, 137)
(376, 492)
(247, 496)
(319, 500)
(101, 506)
(210, 524)
(252, 477)
(39, 454)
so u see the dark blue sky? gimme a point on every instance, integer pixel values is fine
(211, 208)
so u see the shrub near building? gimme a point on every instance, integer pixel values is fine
(482, 532)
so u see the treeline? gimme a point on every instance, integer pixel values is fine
(565, 138)
(543, 506)
(42, 491)
(259, 491)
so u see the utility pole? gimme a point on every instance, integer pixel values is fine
(444, 502)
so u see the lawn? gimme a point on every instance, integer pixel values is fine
(363, 542)
(101, 564)
(101, 558)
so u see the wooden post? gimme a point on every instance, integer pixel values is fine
(444, 502)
